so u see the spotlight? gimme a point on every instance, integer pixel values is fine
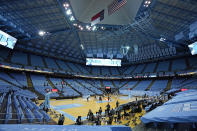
(42, 33)
(87, 26)
(145, 5)
(66, 5)
(82, 47)
(81, 28)
(68, 12)
(94, 28)
(72, 18)
(75, 24)
(102, 27)
(162, 39)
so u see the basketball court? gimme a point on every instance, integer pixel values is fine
(72, 108)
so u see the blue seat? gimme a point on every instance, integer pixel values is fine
(38, 115)
(46, 116)
(30, 116)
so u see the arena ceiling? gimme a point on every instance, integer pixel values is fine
(132, 25)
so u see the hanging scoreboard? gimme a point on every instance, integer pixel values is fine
(103, 62)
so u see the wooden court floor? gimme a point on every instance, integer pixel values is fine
(84, 107)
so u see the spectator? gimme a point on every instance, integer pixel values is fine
(112, 112)
(118, 115)
(61, 120)
(87, 98)
(100, 98)
(107, 108)
(100, 111)
(90, 116)
(117, 104)
(78, 121)
(110, 120)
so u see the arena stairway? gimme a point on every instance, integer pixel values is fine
(136, 84)
(31, 87)
(144, 68)
(53, 86)
(85, 87)
(90, 70)
(44, 62)
(113, 84)
(169, 85)
(133, 69)
(124, 84)
(72, 87)
(69, 67)
(29, 60)
(102, 85)
(110, 71)
(155, 69)
(170, 66)
(124, 69)
(148, 88)
(93, 85)
(59, 67)
(100, 71)
(79, 69)
(119, 71)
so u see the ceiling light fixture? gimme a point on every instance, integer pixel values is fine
(88, 27)
(94, 28)
(41, 33)
(147, 3)
(102, 27)
(82, 47)
(66, 5)
(68, 12)
(162, 39)
(72, 18)
(81, 28)
(75, 24)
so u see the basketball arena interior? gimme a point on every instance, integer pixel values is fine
(102, 65)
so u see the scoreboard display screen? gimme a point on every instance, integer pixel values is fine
(193, 48)
(7, 40)
(54, 90)
(107, 87)
(103, 62)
